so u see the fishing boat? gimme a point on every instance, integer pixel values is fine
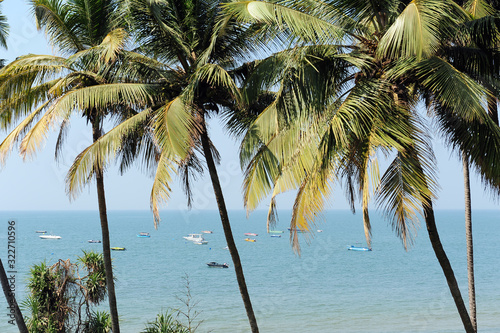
(49, 237)
(41, 231)
(250, 234)
(118, 248)
(214, 264)
(207, 232)
(276, 231)
(359, 248)
(194, 238)
(143, 235)
(297, 230)
(276, 236)
(250, 240)
(94, 241)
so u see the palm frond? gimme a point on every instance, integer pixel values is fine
(55, 17)
(100, 153)
(283, 15)
(9, 142)
(418, 30)
(160, 191)
(174, 126)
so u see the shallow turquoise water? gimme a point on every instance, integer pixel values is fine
(327, 289)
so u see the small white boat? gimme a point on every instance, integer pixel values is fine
(207, 232)
(214, 264)
(359, 248)
(49, 237)
(319, 230)
(203, 242)
(94, 241)
(194, 238)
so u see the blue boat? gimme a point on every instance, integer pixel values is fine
(143, 234)
(276, 236)
(359, 248)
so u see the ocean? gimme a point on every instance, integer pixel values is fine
(326, 289)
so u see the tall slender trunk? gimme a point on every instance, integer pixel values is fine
(227, 230)
(470, 246)
(110, 283)
(11, 300)
(445, 265)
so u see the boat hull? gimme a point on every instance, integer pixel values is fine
(49, 237)
(359, 248)
(217, 265)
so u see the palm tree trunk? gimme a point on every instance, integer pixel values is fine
(227, 230)
(470, 246)
(110, 284)
(445, 265)
(11, 300)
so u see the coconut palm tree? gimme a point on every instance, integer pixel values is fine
(349, 88)
(9, 296)
(482, 34)
(190, 71)
(39, 88)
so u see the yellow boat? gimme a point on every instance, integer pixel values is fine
(118, 248)
(250, 240)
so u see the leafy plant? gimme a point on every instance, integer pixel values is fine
(62, 295)
(165, 323)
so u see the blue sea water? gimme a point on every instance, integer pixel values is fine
(326, 289)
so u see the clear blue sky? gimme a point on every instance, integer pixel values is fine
(39, 184)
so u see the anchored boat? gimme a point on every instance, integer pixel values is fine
(214, 264)
(359, 248)
(49, 237)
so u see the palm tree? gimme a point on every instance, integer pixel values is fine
(482, 34)
(189, 72)
(41, 87)
(349, 88)
(9, 296)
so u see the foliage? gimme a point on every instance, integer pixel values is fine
(348, 93)
(62, 296)
(165, 323)
(98, 322)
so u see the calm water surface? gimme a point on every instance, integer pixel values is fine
(326, 289)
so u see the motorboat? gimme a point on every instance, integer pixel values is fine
(214, 264)
(49, 237)
(250, 240)
(359, 248)
(276, 231)
(319, 230)
(250, 234)
(41, 231)
(297, 230)
(143, 235)
(94, 241)
(118, 248)
(276, 236)
(207, 232)
(202, 242)
(194, 238)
